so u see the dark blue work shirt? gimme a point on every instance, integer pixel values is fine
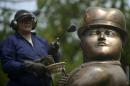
(15, 49)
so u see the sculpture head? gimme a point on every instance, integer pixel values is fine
(103, 33)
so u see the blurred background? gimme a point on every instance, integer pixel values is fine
(54, 17)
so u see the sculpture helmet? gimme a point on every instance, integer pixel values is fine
(104, 17)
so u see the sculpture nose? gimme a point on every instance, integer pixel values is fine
(101, 36)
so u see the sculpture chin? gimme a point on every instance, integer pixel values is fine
(105, 53)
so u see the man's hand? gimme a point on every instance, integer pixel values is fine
(38, 68)
(46, 60)
(53, 48)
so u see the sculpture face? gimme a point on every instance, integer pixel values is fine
(101, 44)
(108, 17)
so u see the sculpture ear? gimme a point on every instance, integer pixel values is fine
(81, 45)
(84, 54)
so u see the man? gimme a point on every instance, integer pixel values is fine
(23, 52)
(103, 35)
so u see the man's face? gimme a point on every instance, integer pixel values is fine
(25, 25)
(101, 44)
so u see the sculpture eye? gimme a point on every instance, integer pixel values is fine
(110, 33)
(98, 32)
(92, 32)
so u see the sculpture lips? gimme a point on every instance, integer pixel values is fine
(102, 44)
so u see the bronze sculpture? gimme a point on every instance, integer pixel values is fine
(102, 36)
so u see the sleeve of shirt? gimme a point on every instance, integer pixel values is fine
(8, 58)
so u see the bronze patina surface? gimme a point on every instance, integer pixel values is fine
(102, 36)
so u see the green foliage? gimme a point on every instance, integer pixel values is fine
(41, 3)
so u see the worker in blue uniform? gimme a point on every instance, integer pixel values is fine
(24, 46)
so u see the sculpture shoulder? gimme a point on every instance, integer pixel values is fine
(97, 74)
